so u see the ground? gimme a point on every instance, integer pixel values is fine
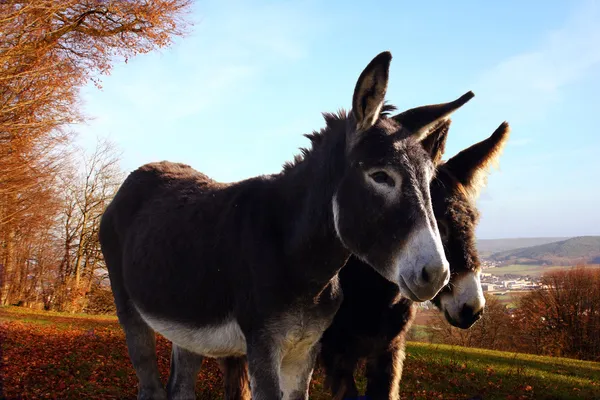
(60, 356)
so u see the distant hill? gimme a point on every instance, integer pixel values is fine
(582, 249)
(487, 247)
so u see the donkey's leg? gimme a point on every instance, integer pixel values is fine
(296, 371)
(185, 366)
(141, 344)
(264, 361)
(138, 335)
(339, 372)
(235, 378)
(384, 371)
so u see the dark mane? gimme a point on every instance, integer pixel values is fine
(387, 109)
(446, 179)
(318, 137)
(463, 210)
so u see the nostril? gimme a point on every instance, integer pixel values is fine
(435, 276)
(466, 313)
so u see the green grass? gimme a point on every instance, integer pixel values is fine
(533, 270)
(6, 311)
(57, 319)
(509, 298)
(54, 355)
(420, 332)
(498, 375)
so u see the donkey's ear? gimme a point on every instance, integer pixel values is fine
(421, 120)
(369, 92)
(435, 143)
(471, 166)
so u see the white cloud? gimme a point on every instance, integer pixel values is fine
(524, 86)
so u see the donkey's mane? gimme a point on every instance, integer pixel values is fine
(387, 109)
(318, 137)
(462, 205)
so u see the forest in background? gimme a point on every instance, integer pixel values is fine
(52, 194)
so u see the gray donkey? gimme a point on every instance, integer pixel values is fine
(251, 267)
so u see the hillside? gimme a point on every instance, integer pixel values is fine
(582, 249)
(66, 356)
(487, 247)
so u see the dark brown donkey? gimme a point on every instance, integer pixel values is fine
(373, 319)
(251, 268)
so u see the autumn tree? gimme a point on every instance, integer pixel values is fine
(493, 331)
(59, 255)
(85, 195)
(48, 50)
(562, 318)
(31, 246)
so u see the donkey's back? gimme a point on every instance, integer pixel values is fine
(162, 236)
(146, 185)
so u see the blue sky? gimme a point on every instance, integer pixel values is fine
(234, 97)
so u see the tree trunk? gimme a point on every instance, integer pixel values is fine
(8, 270)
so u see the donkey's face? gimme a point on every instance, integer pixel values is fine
(454, 192)
(382, 206)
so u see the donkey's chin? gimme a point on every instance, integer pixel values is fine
(465, 304)
(407, 292)
(420, 289)
(460, 323)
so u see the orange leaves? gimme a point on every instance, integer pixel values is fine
(527, 393)
(79, 358)
(51, 355)
(562, 319)
(42, 361)
(48, 51)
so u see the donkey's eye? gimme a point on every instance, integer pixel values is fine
(382, 178)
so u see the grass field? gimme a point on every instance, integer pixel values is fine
(60, 356)
(533, 270)
(510, 298)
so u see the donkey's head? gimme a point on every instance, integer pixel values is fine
(454, 192)
(382, 205)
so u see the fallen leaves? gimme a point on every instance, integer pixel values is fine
(48, 361)
(49, 356)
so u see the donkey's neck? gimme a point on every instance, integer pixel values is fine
(312, 245)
